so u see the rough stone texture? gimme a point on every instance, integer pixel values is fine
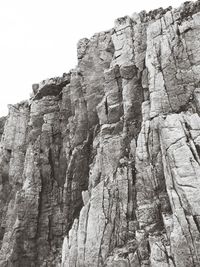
(101, 167)
(2, 123)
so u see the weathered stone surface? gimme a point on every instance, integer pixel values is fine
(2, 123)
(102, 166)
(50, 87)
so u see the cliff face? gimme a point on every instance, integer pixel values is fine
(102, 166)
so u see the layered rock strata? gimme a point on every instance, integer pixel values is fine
(101, 167)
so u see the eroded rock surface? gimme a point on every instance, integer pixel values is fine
(101, 167)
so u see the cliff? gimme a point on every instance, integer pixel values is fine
(101, 167)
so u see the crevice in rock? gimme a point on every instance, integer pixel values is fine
(106, 106)
(196, 219)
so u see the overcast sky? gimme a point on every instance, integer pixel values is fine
(38, 37)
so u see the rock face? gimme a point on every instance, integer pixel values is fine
(101, 167)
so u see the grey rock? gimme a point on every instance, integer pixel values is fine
(102, 166)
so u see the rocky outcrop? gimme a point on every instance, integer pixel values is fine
(101, 167)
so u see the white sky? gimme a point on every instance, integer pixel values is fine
(38, 37)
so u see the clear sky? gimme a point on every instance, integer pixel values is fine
(38, 37)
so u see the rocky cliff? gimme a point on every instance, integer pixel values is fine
(101, 167)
